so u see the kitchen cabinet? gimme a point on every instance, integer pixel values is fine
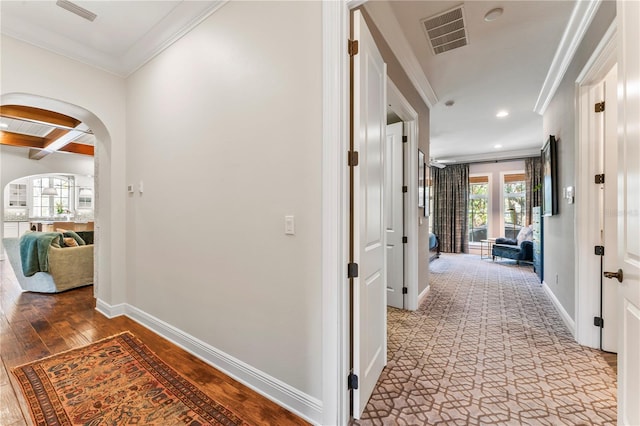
(15, 229)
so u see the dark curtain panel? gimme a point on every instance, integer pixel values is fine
(533, 171)
(450, 201)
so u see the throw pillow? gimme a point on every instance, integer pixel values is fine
(75, 236)
(525, 234)
(70, 242)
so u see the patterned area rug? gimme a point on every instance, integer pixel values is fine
(488, 347)
(116, 381)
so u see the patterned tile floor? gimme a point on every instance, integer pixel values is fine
(488, 347)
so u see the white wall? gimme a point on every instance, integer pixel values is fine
(225, 131)
(15, 163)
(35, 77)
(560, 120)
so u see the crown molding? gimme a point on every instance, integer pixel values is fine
(581, 18)
(386, 21)
(490, 157)
(183, 18)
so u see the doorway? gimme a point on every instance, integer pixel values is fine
(102, 175)
(596, 199)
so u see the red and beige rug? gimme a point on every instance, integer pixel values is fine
(115, 381)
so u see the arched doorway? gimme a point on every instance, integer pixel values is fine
(102, 174)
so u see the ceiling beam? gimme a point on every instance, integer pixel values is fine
(78, 148)
(17, 139)
(37, 114)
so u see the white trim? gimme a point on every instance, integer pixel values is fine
(602, 58)
(566, 318)
(399, 104)
(391, 31)
(110, 311)
(335, 285)
(586, 226)
(581, 18)
(423, 295)
(303, 405)
(492, 156)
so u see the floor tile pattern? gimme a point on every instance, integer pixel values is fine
(488, 347)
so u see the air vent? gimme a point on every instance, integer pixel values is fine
(446, 31)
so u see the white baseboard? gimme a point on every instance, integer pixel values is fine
(568, 321)
(303, 405)
(423, 295)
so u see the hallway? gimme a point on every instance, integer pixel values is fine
(488, 347)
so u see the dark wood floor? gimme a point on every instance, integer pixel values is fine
(34, 325)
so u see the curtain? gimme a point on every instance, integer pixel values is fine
(533, 172)
(450, 202)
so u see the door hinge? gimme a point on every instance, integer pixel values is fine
(599, 107)
(405, 240)
(352, 47)
(352, 270)
(599, 250)
(598, 322)
(352, 158)
(405, 139)
(352, 381)
(405, 290)
(405, 188)
(599, 178)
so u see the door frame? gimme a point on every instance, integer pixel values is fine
(399, 104)
(335, 211)
(587, 271)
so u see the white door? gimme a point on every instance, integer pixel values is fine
(609, 220)
(629, 212)
(394, 215)
(370, 288)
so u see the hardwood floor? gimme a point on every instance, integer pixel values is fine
(34, 326)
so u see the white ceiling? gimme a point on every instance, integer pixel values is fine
(503, 66)
(124, 36)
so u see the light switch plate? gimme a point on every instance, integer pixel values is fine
(289, 225)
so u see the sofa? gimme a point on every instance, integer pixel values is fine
(519, 249)
(55, 267)
(434, 247)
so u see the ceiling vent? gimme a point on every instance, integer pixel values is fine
(446, 31)
(78, 10)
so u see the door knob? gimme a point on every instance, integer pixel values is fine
(617, 275)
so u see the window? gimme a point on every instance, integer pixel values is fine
(478, 208)
(51, 205)
(514, 196)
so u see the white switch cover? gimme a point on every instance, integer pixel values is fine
(130, 188)
(289, 225)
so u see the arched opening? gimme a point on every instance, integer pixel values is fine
(101, 173)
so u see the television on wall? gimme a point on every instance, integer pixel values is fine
(550, 177)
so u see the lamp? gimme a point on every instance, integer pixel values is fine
(50, 191)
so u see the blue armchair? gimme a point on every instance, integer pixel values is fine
(509, 249)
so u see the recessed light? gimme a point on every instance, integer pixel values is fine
(502, 114)
(493, 14)
(497, 146)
